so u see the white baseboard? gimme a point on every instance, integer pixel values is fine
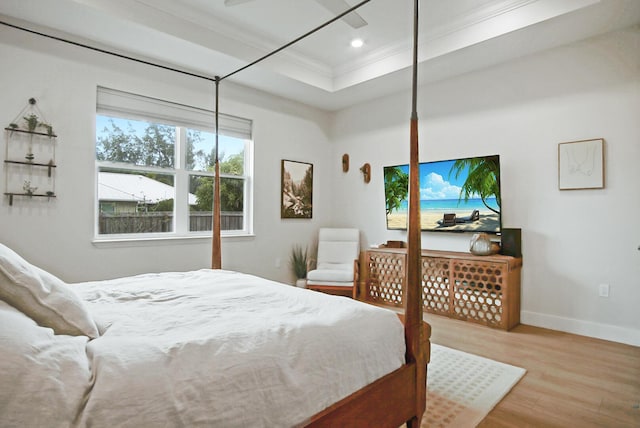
(581, 327)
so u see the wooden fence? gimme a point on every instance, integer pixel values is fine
(154, 222)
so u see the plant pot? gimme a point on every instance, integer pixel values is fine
(302, 283)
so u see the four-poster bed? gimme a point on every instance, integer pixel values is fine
(395, 394)
(400, 396)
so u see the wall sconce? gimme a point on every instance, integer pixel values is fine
(345, 162)
(366, 171)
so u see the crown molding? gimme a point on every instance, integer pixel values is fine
(480, 24)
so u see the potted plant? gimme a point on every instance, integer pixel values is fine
(298, 264)
(28, 189)
(47, 128)
(32, 122)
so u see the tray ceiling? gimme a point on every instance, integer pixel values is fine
(211, 38)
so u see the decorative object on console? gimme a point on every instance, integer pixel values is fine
(345, 163)
(296, 197)
(481, 245)
(24, 149)
(511, 242)
(394, 244)
(366, 171)
(581, 164)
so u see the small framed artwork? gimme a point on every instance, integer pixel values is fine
(296, 196)
(581, 164)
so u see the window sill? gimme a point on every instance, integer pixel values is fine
(141, 241)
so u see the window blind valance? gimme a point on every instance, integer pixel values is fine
(111, 102)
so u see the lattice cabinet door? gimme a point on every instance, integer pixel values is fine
(436, 294)
(480, 291)
(386, 277)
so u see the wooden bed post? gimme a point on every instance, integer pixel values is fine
(406, 386)
(413, 298)
(216, 247)
(216, 256)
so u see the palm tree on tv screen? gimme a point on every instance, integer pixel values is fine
(396, 187)
(482, 179)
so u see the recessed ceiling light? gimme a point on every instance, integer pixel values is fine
(357, 43)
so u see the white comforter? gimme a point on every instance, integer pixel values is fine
(204, 348)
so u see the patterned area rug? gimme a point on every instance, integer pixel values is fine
(463, 388)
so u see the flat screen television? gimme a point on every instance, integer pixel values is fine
(458, 195)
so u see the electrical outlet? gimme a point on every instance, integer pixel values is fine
(603, 290)
(278, 263)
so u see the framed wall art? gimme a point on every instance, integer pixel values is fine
(296, 196)
(581, 164)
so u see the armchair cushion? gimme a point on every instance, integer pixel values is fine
(330, 275)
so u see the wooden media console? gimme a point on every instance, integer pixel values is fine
(481, 289)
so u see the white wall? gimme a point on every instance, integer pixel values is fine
(572, 240)
(57, 235)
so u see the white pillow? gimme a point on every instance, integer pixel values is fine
(43, 297)
(44, 377)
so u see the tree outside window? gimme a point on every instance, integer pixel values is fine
(137, 173)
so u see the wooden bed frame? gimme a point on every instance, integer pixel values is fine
(390, 401)
(399, 396)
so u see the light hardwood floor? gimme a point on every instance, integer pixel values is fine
(571, 381)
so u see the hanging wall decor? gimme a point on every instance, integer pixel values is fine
(296, 196)
(30, 153)
(581, 164)
(366, 172)
(345, 163)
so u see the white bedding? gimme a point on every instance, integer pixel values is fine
(203, 348)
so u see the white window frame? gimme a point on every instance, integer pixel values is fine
(124, 105)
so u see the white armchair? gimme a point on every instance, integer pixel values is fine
(336, 269)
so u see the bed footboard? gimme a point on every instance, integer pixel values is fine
(388, 402)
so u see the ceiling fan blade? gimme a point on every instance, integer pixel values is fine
(235, 2)
(338, 6)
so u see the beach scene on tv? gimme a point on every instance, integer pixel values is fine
(461, 195)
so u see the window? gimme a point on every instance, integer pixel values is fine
(155, 168)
